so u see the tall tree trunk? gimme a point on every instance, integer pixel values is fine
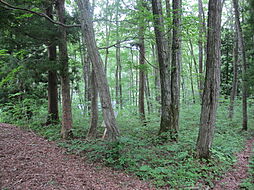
(201, 44)
(141, 33)
(92, 132)
(118, 74)
(101, 79)
(165, 125)
(244, 65)
(235, 78)
(64, 73)
(87, 78)
(53, 116)
(169, 30)
(156, 77)
(107, 33)
(175, 69)
(212, 81)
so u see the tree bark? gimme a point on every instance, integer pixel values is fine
(101, 79)
(53, 116)
(92, 132)
(212, 80)
(141, 33)
(175, 69)
(244, 65)
(64, 73)
(165, 124)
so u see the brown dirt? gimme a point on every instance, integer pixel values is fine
(28, 161)
(239, 171)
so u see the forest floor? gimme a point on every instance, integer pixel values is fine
(28, 161)
(239, 171)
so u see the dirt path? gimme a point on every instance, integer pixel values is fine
(31, 162)
(239, 171)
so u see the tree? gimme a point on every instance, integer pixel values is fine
(52, 80)
(175, 69)
(165, 124)
(201, 44)
(64, 74)
(141, 34)
(244, 65)
(101, 79)
(212, 80)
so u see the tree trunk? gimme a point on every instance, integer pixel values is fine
(64, 73)
(118, 74)
(141, 98)
(101, 79)
(244, 65)
(191, 80)
(201, 45)
(53, 116)
(92, 132)
(212, 81)
(165, 125)
(156, 78)
(175, 69)
(87, 80)
(148, 95)
(235, 78)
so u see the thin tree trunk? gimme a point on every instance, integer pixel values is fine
(148, 95)
(92, 132)
(53, 116)
(64, 73)
(201, 44)
(235, 78)
(156, 77)
(118, 74)
(87, 78)
(244, 65)
(108, 29)
(212, 80)
(175, 69)
(191, 80)
(101, 79)
(141, 98)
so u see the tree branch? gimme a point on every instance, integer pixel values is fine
(38, 14)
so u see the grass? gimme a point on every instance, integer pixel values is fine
(141, 152)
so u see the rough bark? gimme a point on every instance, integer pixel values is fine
(64, 74)
(175, 69)
(92, 132)
(101, 79)
(165, 126)
(53, 116)
(87, 79)
(212, 80)
(244, 65)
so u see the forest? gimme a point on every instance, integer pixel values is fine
(122, 94)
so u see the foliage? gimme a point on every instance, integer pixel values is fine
(249, 182)
(141, 152)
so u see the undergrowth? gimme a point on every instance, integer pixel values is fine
(141, 152)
